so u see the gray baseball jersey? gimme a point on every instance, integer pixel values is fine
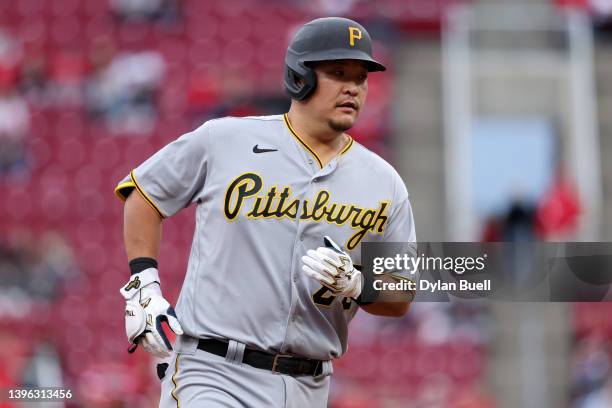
(263, 199)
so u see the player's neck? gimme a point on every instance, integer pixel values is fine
(323, 140)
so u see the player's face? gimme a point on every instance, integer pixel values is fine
(342, 87)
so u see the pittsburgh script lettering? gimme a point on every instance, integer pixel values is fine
(276, 202)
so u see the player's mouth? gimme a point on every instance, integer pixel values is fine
(348, 106)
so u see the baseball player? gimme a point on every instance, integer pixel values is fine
(283, 205)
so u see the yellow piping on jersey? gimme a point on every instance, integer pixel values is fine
(348, 146)
(303, 143)
(145, 196)
(119, 189)
(299, 139)
(173, 392)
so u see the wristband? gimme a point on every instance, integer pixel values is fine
(140, 264)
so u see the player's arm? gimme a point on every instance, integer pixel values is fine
(396, 305)
(395, 302)
(392, 303)
(165, 183)
(146, 308)
(141, 228)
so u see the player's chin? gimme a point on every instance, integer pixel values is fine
(343, 121)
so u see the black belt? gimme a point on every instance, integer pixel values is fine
(277, 363)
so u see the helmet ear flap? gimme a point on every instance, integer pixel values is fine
(300, 80)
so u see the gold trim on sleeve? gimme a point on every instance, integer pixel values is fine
(403, 278)
(145, 196)
(119, 189)
(399, 277)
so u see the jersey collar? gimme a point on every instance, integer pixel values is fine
(308, 148)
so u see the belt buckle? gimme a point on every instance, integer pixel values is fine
(275, 361)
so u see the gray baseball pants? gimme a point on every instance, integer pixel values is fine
(196, 378)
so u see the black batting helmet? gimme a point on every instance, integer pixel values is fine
(324, 39)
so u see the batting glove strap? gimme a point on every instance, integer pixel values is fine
(138, 281)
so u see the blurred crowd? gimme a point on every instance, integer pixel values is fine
(14, 111)
(117, 87)
(591, 364)
(164, 11)
(34, 268)
(127, 64)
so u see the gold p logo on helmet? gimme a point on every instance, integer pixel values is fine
(354, 34)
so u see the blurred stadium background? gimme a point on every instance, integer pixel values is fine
(498, 114)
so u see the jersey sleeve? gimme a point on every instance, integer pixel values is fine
(401, 224)
(170, 179)
(401, 230)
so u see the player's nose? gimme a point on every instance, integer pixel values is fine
(350, 88)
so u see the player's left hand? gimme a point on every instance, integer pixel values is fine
(333, 268)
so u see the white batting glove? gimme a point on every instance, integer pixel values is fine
(145, 310)
(333, 268)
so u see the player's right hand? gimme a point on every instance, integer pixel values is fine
(145, 311)
(333, 268)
